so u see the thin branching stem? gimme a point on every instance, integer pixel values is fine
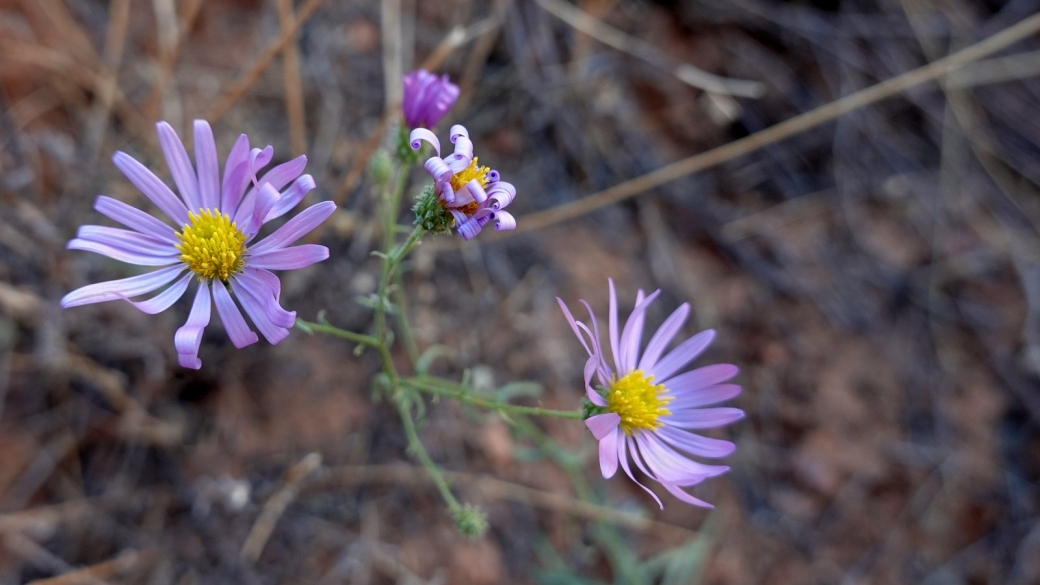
(441, 387)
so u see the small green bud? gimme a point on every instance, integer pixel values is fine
(471, 522)
(588, 409)
(380, 166)
(403, 146)
(430, 214)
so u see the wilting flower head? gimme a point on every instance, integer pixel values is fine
(427, 98)
(473, 194)
(216, 222)
(645, 408)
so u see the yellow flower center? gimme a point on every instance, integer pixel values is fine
(212, 245)
(638, 402)
(461, 178)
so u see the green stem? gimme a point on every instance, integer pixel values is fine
(416, 447)
(402, 322)
(465, 395)
(337, 332)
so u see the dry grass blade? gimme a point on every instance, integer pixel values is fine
(293, 88)
(617, 39)
(123, 564)
(276, 505)
(781, 131)
(247, 79)
(115, 43)
(500, 489)
(168, 56)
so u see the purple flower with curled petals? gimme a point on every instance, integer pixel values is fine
(472, 194)
(427, 98)
(217, 222)
(645, 408)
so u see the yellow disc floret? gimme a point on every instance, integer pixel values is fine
(473, 171)
(638, 402)
(212, 245)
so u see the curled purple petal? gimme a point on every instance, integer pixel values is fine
(437, 169)
(463, 148)
(457, 131)
(504, 221)
(420, 135)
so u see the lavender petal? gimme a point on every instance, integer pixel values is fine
(189, 337)
(685, 497)
(623, 459)
(208, 166)
(180, 166)
(152, 187)
(704, 418)
(254, 307)
(235, 179)
(289, 258)
(234, 323)
(122, 254)
(124, 287)
(126, 239)
(295, 228)
(632, 334)
(163, 300)
(663, 336)
(695, 444)
(602, 425)
(682, 355)
(608, 454)
(291, 197)
(134, 218)
(420, 135)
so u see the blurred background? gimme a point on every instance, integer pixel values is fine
(876, 276)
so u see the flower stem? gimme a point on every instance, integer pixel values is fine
(465, 395)
(416, 447)
(337, 332)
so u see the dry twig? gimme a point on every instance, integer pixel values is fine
(781, 131)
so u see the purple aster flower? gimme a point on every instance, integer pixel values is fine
(646, 408)
(473, 194)
(217, 221)
(427, 98)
